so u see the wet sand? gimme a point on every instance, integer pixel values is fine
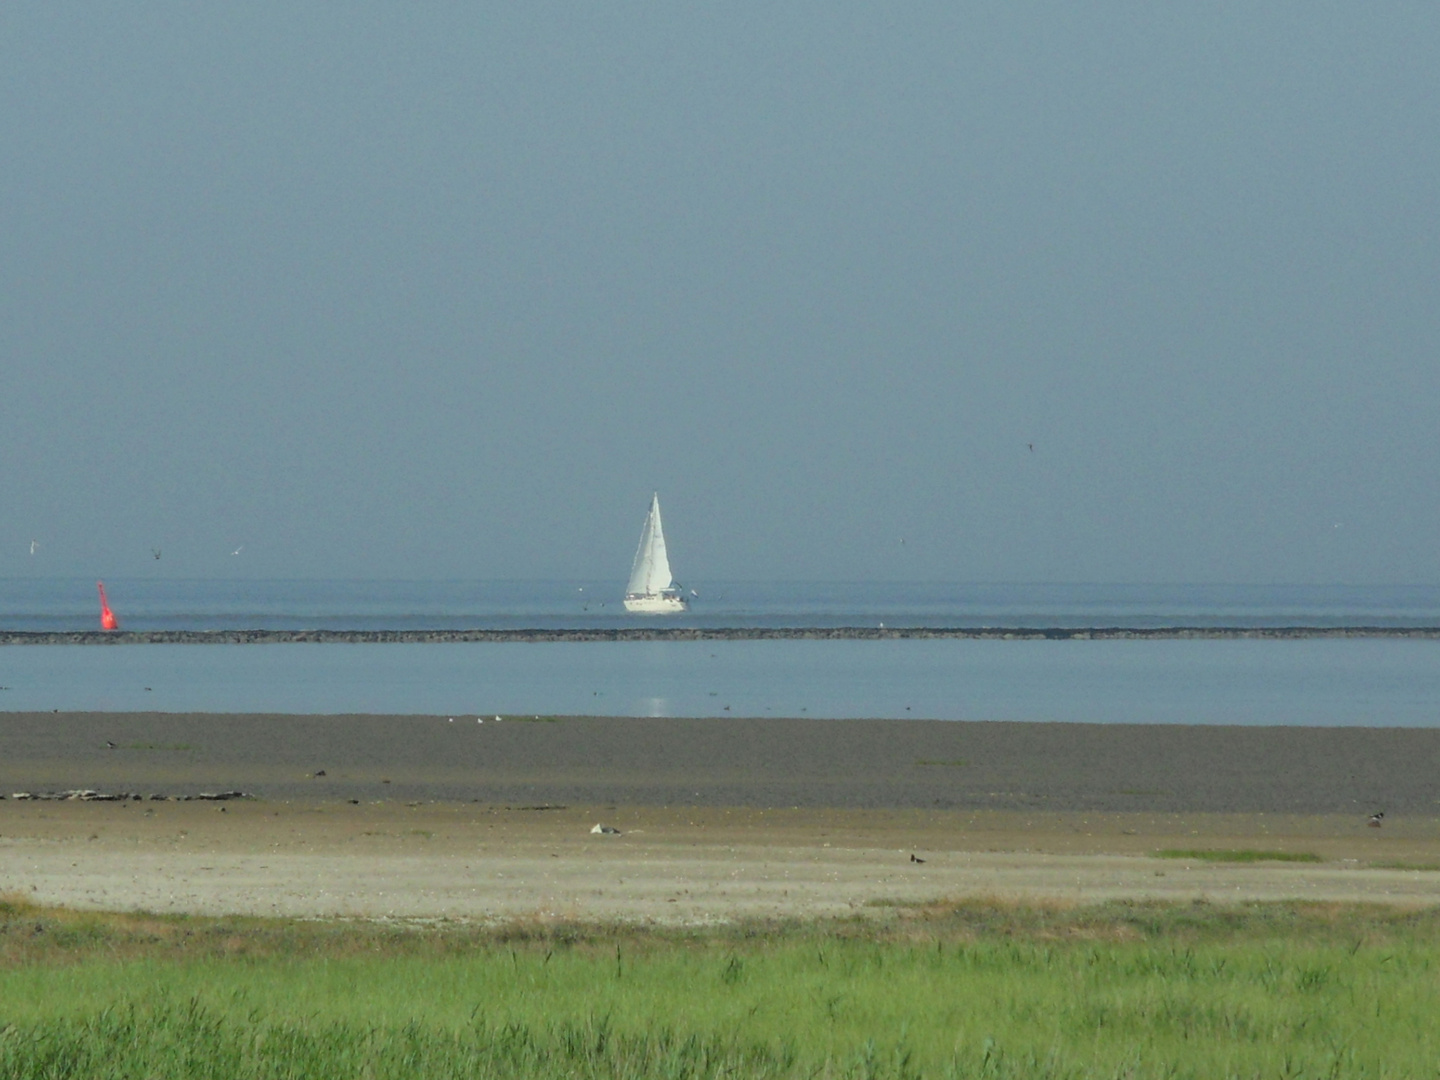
(861, 764)
(718, 819)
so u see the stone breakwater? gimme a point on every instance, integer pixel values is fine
(676, 633)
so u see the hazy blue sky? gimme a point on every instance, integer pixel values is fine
(400, 290)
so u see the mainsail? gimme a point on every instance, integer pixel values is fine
(650, 574)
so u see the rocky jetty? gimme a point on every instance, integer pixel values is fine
(695, 633)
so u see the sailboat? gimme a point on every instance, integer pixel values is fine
(652, 591)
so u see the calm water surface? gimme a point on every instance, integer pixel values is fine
(1321, 682)
(1352, 682)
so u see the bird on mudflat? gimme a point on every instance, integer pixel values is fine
(1376, 819)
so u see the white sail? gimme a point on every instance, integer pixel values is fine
(652, 589)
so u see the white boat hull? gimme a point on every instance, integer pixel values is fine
(655, 604)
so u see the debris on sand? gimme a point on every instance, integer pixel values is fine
(75, 795)
(89, 795)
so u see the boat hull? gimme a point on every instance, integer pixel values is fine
(655, 604)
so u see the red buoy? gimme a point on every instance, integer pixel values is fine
(107, 617)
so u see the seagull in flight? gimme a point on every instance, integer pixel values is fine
(155, 552)
(33, 545)
(238, 550)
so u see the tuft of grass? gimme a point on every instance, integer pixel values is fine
(1401, 864)
(897, 902)
(13, 906)
(1241, 855)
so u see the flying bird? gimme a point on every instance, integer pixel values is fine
(238, 550)
(155, 552)
(33, 545)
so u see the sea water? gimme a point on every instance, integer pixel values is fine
(1366, 681)
(168, 604)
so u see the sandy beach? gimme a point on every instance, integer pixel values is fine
(428, 817)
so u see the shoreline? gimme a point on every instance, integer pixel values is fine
(710, 820)
(685, 633)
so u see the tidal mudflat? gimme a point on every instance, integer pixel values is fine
(423, 817)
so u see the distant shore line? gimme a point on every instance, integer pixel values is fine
(676, 633)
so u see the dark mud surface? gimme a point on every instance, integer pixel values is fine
(730, 762)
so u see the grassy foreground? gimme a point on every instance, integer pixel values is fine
(975, 989)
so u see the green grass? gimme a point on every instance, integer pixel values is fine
(959, 990)
(1243, 855)
(1401, 864)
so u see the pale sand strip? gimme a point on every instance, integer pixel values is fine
(676, 865)
(662, 887)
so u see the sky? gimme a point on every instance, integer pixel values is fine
(951, 291)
